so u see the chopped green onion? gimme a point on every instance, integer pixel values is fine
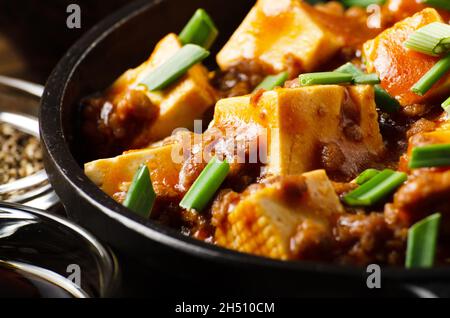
(376, 189)
(359, 77)
(442, 4)
(349, 68)
(446, 105)
(206, 185)
(382, 98)
(385, 101)
(430, 156)
(432, 39)
(370, 79)
(432, 76)
(366, 176)
(175, 67)
(422, 241)
(272, 81)
(324, 78)
(200, 30)
(141, 196)
(362, 3)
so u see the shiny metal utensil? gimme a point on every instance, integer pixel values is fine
(31, 88)
(31, 242)
(33, 190)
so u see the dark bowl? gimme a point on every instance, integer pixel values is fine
(117, 43)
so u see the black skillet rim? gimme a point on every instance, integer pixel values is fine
(60, 155)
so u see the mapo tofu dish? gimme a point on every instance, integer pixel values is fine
(322, 133)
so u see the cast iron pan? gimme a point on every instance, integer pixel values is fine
(124, 40)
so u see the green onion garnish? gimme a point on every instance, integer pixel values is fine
(382, 98)
(422, 241)
(359, 77)
(362, 3)
(272, 81)
(206, 185)
(366, 176)
(175, 67)
(443, 4)
(385, 101)
(325, 78)
(430, 156)
(141, 196)
(369, 79)
(446, 105)
(200, 30)
(376, 189)
(349, 68)
(432, 76)
(432, 39)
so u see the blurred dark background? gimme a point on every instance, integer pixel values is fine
(34, 34)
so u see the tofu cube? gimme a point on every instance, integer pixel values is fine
(299, 121)
(179, 104)
(114, 175)
(280, 35)
(267, 221)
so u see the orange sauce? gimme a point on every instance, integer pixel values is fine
(353, 31)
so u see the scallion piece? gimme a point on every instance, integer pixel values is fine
(141, 196)
(446, 105)
(432, 39)
(430, 156)
(366, 176)
(376, 189)
(368, 79)
(422, 241)
(175, 67)
(359, 77)
(442, 4)
(432, 76)
(325, 78)
(382, 98)
(385, 101)
(206, 185)
(200, 30)
(272, 81)
(362, 3)
(349, 68)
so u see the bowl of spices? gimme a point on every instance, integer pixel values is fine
(22, 176)
(20, 154)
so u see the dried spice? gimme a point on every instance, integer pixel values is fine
(20, 154)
